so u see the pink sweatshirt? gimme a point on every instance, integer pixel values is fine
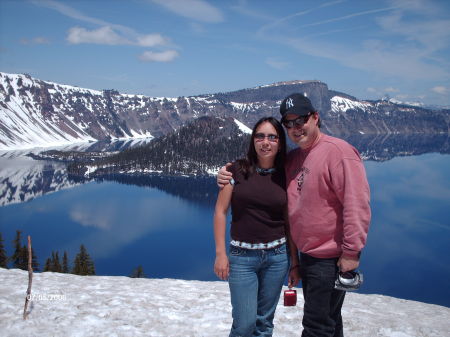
(328, 199)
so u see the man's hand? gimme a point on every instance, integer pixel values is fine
(224, 177)
(347, 263)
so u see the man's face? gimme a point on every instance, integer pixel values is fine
(304, 136)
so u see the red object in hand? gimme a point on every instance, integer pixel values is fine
(290, 298)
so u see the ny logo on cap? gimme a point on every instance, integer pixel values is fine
(289, 103)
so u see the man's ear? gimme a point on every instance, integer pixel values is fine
(316, 118)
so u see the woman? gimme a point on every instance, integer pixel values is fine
(258, 260)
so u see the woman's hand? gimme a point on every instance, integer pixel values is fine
(222, 267)
(294, 276)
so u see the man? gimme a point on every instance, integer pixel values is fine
(329, 213)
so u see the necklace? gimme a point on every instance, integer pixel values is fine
(264, 171)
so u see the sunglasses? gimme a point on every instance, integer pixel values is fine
(259, 137)
(299, 121)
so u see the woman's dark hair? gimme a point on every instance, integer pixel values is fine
(249, 164)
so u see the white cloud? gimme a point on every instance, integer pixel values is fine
(108, 33)
(165, 56)
(409, 46)
(431, 33)
(441, 90)
(151, 40)
(197, 28)
(377, 57)
(277, 64)
(349, 16)
(68, 11)
(102, 35)
(242, 8)
(198, 10)
(36, 40)
(391, 89)
(282, 21)
(41, 40)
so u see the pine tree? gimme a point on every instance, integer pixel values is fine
(15, 258)
(34, 260)
(138, 273)
(56, 265)
(48, 265)
(65, 266)
(22, 261)
(83, 264)
(3, 257)
(20, 256)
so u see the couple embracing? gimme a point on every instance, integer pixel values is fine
(304, 214)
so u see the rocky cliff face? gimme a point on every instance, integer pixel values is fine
(39, 113)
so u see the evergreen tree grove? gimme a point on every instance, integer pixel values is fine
(83, 264)
(53, 264)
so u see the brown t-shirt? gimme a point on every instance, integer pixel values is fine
(257, 205)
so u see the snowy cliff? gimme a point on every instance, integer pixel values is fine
(40, 113)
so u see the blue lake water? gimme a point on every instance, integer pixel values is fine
(165, 225)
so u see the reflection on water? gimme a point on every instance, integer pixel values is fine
(385, 147)
(23, 179)
(165, 223)
(202, 190)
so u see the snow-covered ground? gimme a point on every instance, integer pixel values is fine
(69, 305)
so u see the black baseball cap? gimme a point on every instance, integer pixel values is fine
(296, 104)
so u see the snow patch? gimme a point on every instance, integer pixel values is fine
(341, 104)
(244, 128)
(70, 305)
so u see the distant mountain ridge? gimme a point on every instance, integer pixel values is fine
(40, 113)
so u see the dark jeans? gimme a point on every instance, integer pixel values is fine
(322, 310)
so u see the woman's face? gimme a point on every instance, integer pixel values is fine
(266, 142)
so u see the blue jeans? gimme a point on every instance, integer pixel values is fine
(255, 280)
(322, 310)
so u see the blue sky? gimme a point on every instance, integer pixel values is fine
(175, 48)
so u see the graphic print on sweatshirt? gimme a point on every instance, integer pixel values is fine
(301, 178)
